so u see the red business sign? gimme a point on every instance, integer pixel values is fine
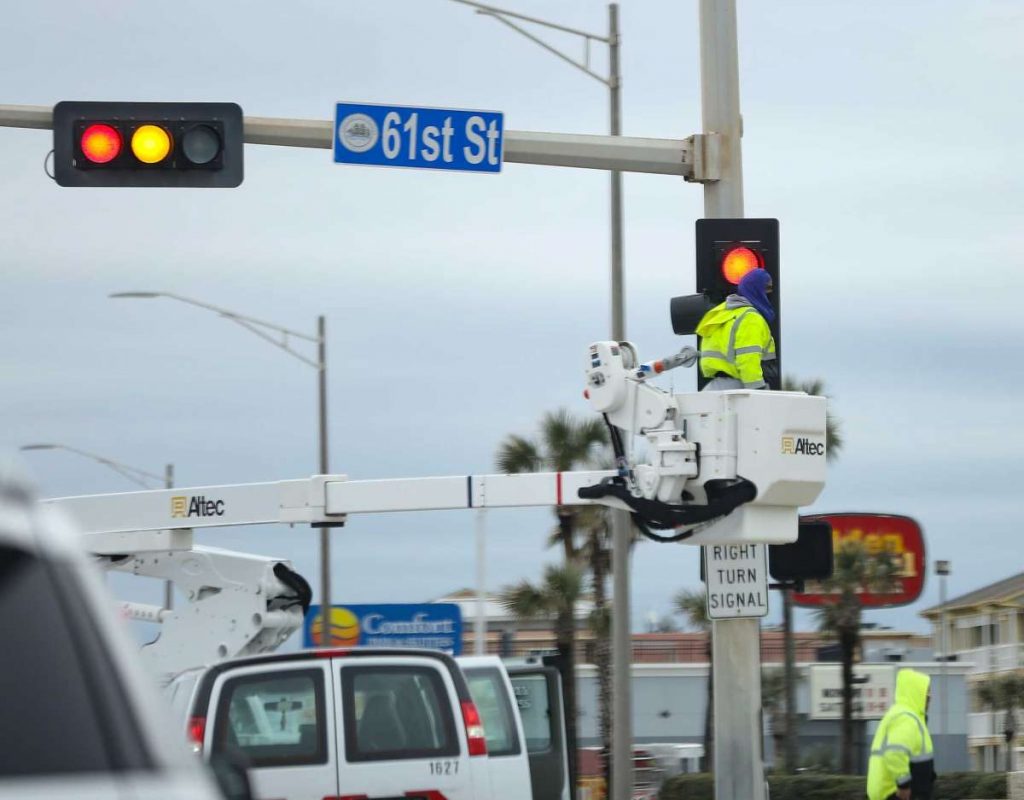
(900, 536)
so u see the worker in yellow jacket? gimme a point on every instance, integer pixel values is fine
(902, 763)
(736, 344)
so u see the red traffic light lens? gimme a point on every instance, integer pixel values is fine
(101, 143)
(738, 262)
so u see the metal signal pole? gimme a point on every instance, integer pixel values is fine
(736, 649)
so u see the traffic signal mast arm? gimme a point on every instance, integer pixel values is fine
(695, 158)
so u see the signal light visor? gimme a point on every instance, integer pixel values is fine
(151, 144)
(101, 143)
(738, 262)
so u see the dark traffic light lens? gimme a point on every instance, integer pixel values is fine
(738, 262)
(201, 144)
(100, 143)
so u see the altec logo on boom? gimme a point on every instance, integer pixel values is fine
(196, 506)
(792, 445)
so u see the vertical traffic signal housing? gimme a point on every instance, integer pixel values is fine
(147, 144)
(727, 249)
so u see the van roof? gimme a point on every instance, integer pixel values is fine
(214, 670)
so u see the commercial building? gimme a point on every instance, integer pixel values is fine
(984, 632)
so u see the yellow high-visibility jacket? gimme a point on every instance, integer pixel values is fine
(735, 340)
(901, 753)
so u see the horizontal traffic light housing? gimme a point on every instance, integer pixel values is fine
(148, 144)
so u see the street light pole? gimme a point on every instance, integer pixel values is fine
(325, 533)
(260, 328)
(169, 585)
(622, 713)
(139, 477)
(942, 569)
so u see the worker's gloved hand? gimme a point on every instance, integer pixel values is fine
(687, 356)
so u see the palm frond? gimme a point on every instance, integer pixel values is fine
(525, 601)
(571, 442)
(519, 454)
(834, 439)
(563, 583)
(692, 606)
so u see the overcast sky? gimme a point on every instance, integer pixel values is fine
(884, 136)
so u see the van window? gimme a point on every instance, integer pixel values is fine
(275, 719)
(491, 699)
(534, 710)
(396, 712)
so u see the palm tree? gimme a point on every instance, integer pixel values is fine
(556, 596)
(833, 446)
(692, 606)
(596, 553)
(567, 443)
(855, 570)
(773, 697)
(1005, 693)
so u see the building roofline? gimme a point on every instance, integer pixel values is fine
(999, 592)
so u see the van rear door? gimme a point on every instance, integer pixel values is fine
(402, 730)
(538, 693)
(278, 717)
(493, 695)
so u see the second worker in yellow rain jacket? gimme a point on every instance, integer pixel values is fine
(902, 763)
(736, 343)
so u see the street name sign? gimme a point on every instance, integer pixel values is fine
(736, 577)
(427, 138)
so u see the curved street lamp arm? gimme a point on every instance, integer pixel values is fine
(486, 9)
(236, 316)
(251, 324)
(550, 48)
(283, 344)
(504, 16)
(125, 470)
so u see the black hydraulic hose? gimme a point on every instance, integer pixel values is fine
(294, 581)
(657, 537)
(723, 498)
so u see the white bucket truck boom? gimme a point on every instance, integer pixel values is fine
(730, 466)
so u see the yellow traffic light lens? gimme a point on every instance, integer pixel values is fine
(738, 262)
(151, 144)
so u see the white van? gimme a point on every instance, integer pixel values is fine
(354, 724)
(494, 697)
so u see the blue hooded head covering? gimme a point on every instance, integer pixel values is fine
(753, 287)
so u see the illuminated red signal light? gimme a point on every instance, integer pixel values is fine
(101, 143)
(738, 261)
